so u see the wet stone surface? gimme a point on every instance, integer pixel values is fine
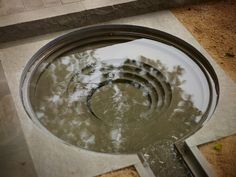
(138, 96)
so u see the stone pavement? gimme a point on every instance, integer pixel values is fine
(26, 18)
(66, 161)
(83, 163)
(15, 159)
(8, 7)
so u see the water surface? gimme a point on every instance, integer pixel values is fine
(138, 96)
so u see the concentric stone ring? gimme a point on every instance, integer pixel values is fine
(140, 76)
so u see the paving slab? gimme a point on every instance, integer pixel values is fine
(11, 7)
(15, 159)
(53, 158)
(51, 3)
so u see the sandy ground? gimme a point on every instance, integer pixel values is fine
(222, 155)
(213, 24)
(125, 172)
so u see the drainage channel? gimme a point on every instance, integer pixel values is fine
(121, 89)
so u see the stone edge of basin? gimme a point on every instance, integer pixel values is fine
(16, 28)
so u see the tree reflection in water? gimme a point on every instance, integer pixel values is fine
(119, 106)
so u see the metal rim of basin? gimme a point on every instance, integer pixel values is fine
(108, 34)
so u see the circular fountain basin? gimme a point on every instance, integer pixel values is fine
(121, 89)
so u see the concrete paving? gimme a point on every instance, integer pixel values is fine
(20, 19)
(15, 159)
(53, 158)
(19, 11)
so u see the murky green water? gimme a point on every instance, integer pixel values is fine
(139, 96)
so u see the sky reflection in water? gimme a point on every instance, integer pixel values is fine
(125, 98)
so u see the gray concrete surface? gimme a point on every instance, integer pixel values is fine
(52, 158)
(27, 18)
(15, 159)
